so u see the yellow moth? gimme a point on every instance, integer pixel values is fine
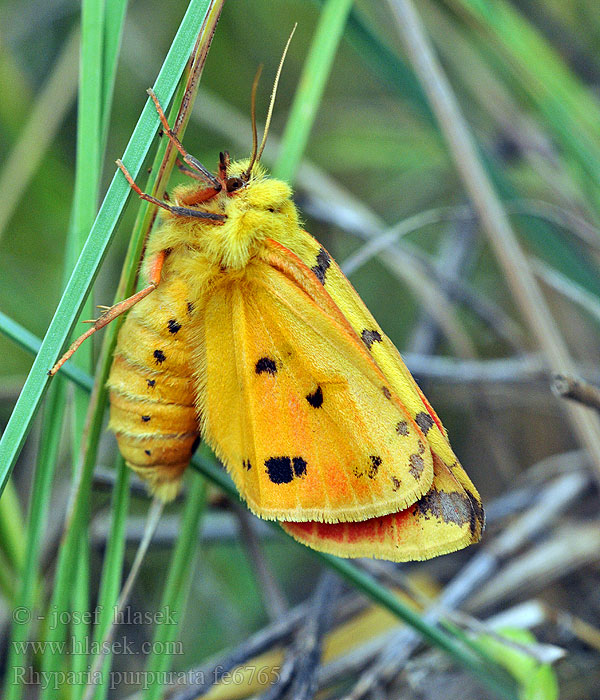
(250, 337)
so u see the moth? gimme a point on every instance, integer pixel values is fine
(250, 337)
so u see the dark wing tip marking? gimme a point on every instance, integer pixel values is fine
(450, 507)
(173, 326)
(323, 263)
(424, 421)
(370, 336)
(266, 365)
(316, 398)
(477, 519)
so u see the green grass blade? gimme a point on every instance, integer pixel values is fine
(310, 89)
(80, 629)
(36, 524)
(156, 183)
(110, 582)
(12, 528)
(30, 342)
(177, 586)
(114, 21)
(77, 518)
(7, 580)
(96, 244)
(89, 105)
(43, 122)
(88, 171)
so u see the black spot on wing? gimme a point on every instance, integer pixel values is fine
(279, 470)
(370, 469)
(146, 419)
(386, 392)
(173, 326)
(159, 356)
(323, 263)
(424, 421)
(370, 337)
(402, 428)
(247, 464)
(374, 466)
(151, 382)
(417, 464)
(282, 470)
(266, 365)
(316, 398)
(395, 483)
(299, 466)
(147, 452)
(190, 307)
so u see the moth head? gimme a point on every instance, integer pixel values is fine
(265, 202)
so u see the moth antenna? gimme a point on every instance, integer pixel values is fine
(253, 116)
(273, 93)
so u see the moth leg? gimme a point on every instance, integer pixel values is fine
(188, 171)
(113, 312)
(199, 196)
(207, 176)
(178, 211)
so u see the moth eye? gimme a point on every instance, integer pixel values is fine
(233, 184)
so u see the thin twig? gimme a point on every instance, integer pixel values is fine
(298, 676)
(567, 287)
(310, 642)
(569, 387)
(456, 252)
(273, 598)
(153, 518)
(454, 257)
(272, 635)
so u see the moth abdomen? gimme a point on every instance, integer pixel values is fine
(152, 410)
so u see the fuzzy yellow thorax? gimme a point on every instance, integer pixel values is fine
(260, 209)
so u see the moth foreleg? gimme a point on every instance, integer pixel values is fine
(116, 310)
